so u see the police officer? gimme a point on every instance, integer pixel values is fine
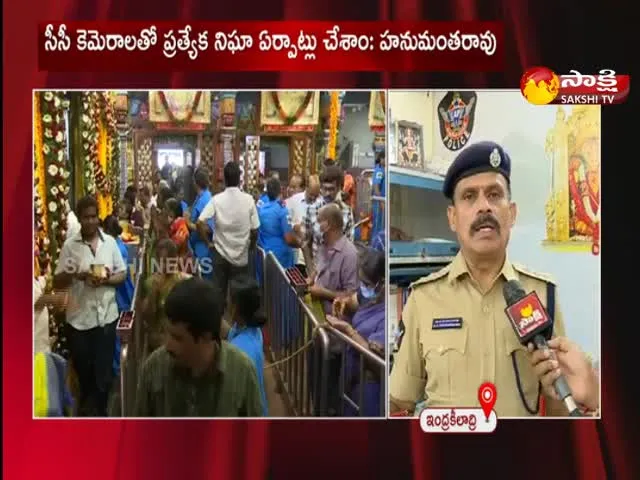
(456, 333)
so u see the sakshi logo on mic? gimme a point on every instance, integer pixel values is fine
(527, 315)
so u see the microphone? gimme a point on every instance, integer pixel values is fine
(532, 324)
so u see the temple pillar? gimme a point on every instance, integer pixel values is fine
(227, 139)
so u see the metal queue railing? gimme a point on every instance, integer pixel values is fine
(298, 346)
(293, 328)
(362, 379)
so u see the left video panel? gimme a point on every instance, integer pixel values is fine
(209, 254)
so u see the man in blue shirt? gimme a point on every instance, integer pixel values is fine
(200, 245)
(378, 194)
(275, 233)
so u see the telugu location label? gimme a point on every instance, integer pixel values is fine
(542, 86)
(463, 419)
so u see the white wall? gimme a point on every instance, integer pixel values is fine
(355, 128)
(505, 117)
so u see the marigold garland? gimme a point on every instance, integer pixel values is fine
(334, 112)
(105, 201)
(110, 122)
(41, 258)
(54, 148)
(291, 119)
(190, 112)
(39, 167)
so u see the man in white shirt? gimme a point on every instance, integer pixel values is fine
(236, 219)
(91, 267)
(297, 205)
(73, 225)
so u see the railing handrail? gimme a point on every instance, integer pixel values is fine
(301, 302)
(370, 356)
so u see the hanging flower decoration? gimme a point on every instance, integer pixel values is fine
(169, 109)
(334, 112)
(100, 177)
(284, 116)
(41, 255)
(89, 133)
(110, 122)
(54, 148)
(39, 175)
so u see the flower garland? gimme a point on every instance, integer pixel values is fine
(105, 201)
(102, 182)
(190, 112)
(110, 122)
(54, 148)
(39, 168)
(290, 120)
(334, 112)
(89, 140)
(41, 257)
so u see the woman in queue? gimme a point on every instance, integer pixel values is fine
(164, 275)
(367, 329)
(246, 329)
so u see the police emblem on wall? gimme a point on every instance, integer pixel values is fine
(456, 113)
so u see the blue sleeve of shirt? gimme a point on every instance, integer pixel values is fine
(199, 205)
(378, 177)
(284, 221)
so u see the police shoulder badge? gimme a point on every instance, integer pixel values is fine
(495, 159)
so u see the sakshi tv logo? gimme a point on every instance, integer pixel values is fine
(543, 86)
(464, 419)
(529, 317)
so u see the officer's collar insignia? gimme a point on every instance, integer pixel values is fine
(494, 158)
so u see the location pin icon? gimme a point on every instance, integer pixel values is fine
(487, 395)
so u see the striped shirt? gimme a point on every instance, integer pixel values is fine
(312, 226)
(229, 389)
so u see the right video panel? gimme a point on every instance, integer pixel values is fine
(494, 266)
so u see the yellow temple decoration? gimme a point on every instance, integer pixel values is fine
(334, 112)
(105, 200)
(41, 186)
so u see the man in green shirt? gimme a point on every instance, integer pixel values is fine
(196, 374)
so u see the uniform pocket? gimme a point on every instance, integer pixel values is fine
(446, 366)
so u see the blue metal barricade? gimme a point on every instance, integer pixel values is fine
(256, 265)
(292, 329)
(378, 208)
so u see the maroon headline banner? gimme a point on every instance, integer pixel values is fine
(270, 46)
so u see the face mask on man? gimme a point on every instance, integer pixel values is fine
(367, 292)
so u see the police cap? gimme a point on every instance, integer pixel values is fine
(476, 158)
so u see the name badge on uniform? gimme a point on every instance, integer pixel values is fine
(446, 323)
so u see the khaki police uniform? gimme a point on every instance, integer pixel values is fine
(446, 366)
(455, 336)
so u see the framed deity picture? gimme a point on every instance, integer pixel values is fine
(409, 145)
